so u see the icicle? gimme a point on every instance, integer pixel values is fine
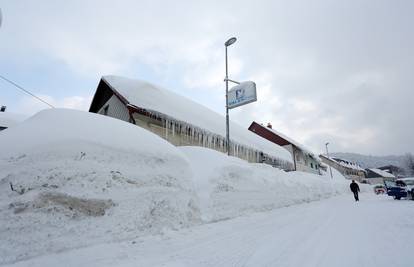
(166, 129)
(173, 129)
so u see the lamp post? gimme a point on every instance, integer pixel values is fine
(327, 153)
(229, 42)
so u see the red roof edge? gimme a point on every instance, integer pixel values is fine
(268, 134)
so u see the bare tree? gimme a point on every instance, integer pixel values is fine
(409, 163)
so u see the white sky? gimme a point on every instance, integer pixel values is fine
(337, 71)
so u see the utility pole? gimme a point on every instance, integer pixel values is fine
(229, 42)
(327, 153)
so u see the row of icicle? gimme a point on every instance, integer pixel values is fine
(197, 136)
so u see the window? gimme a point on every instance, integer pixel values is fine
(105, 111)
(311, 165)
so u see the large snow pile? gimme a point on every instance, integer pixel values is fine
(80, 178)
(70, 179)
(228, 187)
(9, 119)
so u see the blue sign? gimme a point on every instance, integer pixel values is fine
(242, 94)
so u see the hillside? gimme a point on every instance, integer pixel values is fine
(368, 161)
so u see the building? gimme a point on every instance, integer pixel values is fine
(348, 169)
(377, 176)
(181, 121)
(395, 170)
(303, 159)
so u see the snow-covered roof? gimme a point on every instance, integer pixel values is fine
(350, 165)
(9, 119)
(382, 173)
(154, 98)
(345, 163)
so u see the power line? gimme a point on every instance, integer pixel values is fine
(26, 91)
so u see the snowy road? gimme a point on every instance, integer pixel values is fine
(377, 231)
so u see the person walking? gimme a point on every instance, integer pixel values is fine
(355, 189)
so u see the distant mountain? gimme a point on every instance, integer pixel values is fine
(371, 161)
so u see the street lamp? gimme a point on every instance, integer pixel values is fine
(229, 42)
(327, 153)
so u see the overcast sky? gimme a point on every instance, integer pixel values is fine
(337, 71)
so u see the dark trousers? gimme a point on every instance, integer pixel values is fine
(356, 195)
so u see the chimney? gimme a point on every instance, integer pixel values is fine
(269, 125)
(3, 109)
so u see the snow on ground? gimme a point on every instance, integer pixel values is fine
(71, 179)
(337, 232)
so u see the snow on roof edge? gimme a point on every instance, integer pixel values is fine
(157, 99)
(350, 166)
(293, 142)
(382, 173)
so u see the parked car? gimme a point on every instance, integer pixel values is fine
(379, 189)
(401, 188)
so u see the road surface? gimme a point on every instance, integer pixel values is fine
(377, 231)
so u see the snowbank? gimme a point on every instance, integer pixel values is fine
(9, 119)
(228, 187)
(70, 179)
(80, 178)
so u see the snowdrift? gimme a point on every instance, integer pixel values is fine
(70, 179)
(9, 119)
(228, 187)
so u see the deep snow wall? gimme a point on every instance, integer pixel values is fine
(70, 179)
(228, 187)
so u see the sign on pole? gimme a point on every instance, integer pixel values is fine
(242, 94)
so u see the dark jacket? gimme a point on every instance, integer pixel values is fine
(354, 187)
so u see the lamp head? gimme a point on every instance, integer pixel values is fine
(230, 41)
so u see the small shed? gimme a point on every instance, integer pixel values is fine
(376, 176)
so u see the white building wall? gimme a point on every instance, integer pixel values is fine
(115, 108)
(349, 173)
(302, 160)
